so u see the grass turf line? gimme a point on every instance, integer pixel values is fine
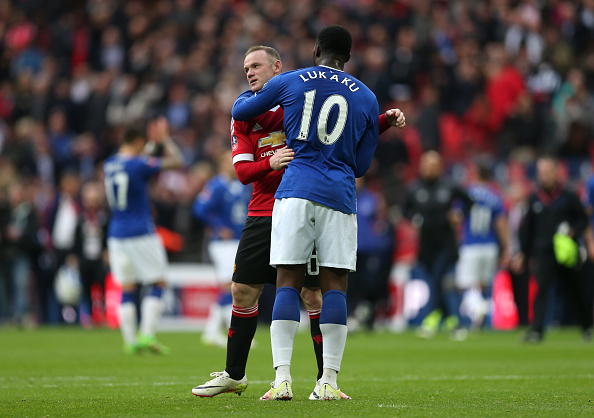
(75, 372)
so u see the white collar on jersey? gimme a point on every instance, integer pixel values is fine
(332, 68)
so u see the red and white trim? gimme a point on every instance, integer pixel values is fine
(314, 313)
(245, 312)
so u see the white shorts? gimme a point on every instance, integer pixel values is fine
(222, 254)
(299, 224)
(477, 265)
(138, 259)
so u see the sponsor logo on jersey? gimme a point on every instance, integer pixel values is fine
(257, 127)
(274, 139)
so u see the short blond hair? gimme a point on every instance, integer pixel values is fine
(270, 51)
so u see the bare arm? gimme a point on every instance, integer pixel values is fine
(158, 133)
(589, 239)
(503, 235)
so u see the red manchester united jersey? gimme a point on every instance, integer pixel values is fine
(257, 140)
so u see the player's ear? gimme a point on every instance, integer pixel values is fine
(316, 52)
(348, 58)
(278, 67)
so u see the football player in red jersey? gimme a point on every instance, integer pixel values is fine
(259, 157)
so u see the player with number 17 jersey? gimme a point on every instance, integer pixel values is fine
(125, 186)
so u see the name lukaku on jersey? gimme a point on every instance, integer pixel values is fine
(322, 74)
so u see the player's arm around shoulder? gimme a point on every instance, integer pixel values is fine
(249, 105)
(158, 133)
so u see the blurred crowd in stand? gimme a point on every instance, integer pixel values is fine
(504, 79)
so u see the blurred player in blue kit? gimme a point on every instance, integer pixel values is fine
(485, 242)
(136, 254)
(222, 206)
(331, 123)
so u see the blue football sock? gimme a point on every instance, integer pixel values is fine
(334, 308)
(286, 304)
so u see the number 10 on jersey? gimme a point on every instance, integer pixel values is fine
(322, 129)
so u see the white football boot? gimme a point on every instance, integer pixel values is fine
(222, 383)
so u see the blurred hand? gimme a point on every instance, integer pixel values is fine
(396, 118)
(590, 250)
(505, 259)
(281, 158)
(158, 130)
(13, 232)
(71, 261)
(517, 263)
(226, 233)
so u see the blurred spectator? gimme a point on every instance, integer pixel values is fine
(90, 252)
(519, 278)
(61, 141)
(572, 102)
(19, 249)
(18, 148)
(61, 217)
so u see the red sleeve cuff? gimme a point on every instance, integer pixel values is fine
(383, 123)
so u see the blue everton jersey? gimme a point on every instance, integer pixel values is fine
(223, 203)
(126, 188)
(331, 122)
(479, 223)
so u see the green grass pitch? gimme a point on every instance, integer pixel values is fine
(58, 372)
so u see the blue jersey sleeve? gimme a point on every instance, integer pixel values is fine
(368, 142)
(206, 206)
(149, 166)
(249, 105)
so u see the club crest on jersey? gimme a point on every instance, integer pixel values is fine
(274, 139)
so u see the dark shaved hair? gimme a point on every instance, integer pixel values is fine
(335, 40)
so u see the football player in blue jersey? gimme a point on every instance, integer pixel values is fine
(484, 238)
(223, 207)
(136, 255)
(331, 123)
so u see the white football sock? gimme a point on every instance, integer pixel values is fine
(128, 321)
(226, 313)
(212, 328)
(329, 376)
(151, 309)
(282, 337)
(334, 337)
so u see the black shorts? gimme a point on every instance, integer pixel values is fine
(252, 261)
